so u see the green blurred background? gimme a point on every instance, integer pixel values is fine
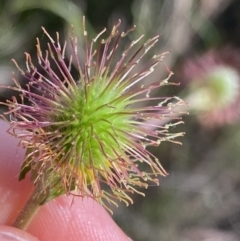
(200, 199)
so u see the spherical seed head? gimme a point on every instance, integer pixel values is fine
(213, 79)
(83, 133)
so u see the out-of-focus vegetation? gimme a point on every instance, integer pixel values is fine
(200, 199)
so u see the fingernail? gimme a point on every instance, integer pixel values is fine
(13, 234)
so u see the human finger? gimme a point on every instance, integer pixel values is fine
(60, 219)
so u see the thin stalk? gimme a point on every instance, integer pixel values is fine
(31, 208)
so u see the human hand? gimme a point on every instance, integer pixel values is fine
(84, 219)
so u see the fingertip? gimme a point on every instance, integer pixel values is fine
(84, 219)
(13, 193)
(60, 219)
(13, 234)
(11, 156)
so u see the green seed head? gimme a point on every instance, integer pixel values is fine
(84, 132)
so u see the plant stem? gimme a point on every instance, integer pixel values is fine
(31, 208)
